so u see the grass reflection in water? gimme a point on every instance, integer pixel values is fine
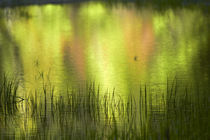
(85, 113)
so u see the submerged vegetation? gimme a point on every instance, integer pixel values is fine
(86, 113)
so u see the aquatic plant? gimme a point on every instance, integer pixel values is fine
(87, 113)
(8, 95)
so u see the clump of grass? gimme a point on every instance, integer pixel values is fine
(89, 114)
(8, 95)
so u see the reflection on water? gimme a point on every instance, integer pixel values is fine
(116, 47)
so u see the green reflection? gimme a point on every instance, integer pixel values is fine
(63, 46)
(115, 47)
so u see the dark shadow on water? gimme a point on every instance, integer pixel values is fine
(8, 45)
(157, 3)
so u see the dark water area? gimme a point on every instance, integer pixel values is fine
(104, 70)
(162, 3)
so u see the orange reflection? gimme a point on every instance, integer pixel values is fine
(139, 42)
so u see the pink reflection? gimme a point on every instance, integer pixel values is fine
(74, 59)
(139, 42)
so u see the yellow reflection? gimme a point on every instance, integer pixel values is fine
(116, 47)
(39, 39)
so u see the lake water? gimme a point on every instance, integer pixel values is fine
(118, 47)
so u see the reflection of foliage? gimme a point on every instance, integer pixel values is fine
(203, 57)
(95, 36)
(38, 38)
(183, 36)
(9, 50)
(157, 4)
(93, 41)
(8, 47)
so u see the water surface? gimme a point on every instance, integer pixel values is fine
(118, 47)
